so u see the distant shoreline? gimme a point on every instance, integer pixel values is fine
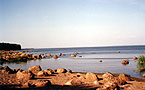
(88, 47)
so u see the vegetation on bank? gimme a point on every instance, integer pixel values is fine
(141, 63)
(8, 46)
(13, 56)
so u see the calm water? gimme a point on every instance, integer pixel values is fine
(89, 60)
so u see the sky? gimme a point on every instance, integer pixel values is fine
(72, 23)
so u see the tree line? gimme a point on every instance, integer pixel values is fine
(8, 46)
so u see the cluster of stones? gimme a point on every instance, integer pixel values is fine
(26, 78)
(17, 56)
(125, 62)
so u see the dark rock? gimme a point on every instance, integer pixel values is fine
(69, 71)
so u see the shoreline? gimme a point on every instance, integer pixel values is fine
(36, 78)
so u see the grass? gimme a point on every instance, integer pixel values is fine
(141, 63)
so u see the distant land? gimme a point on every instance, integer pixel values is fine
(10, 46)
(92, 47)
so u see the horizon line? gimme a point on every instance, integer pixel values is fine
(87, 46)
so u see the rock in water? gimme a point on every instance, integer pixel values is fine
(134, 58)
(124, 62)
(24, 75)
(55, 56)
(91, 76)
(73, 55)
(35, 69)
(143, 75)
(61, 70)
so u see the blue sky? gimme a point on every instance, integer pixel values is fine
(72, 23)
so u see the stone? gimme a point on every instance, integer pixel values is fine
(41, 73)
(134, 58)
(60, 54)
(61, 70)
(96, 83)
(100, 60)
(143, 75)
(69, 83)
(108, 75)
(73, 55)
(48, 72)
(124, 77)
(55, 56)
(69, 71)
(8, 70)
(124, 62)
(91, 76)
(49, 55)
(39, 83)
(24, 75)
(35, 69)
(110, 85)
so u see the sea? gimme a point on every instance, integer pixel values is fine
(87, 59)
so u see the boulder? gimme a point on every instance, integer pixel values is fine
(69, 83)
(108, 75)
(55, 56)
(42, 83)
(96, 83)
(7, 70)
(100, 60)
(35, 69)
(110, 85)
(143, 75)
(69, 71)
(124, 77)
(91, 76)
(48, 72)
(24, 75)
(60, 54)
(38, 83)
(49, 55)
(134, 58)
(79, 56)
(61, 70)
(73, 55)
(74, 82)
(124, 62)
(41, 73)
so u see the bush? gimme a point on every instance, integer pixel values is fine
(141, 63)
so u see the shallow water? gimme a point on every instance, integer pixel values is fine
(89, 60)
